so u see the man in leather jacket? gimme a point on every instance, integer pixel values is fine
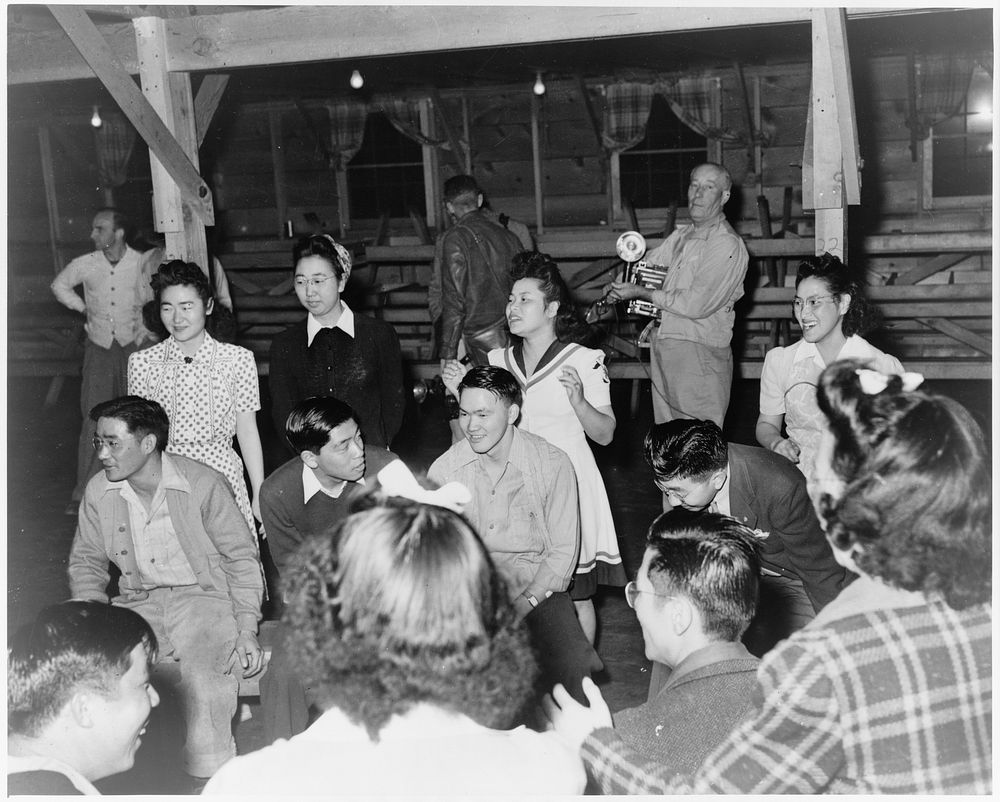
(475, 259)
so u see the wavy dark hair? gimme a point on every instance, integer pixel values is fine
(861, 316)
(569, 326)
(401, 604)
(917, 487)
(221, 323)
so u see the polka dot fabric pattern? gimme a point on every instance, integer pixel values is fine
(201, 398)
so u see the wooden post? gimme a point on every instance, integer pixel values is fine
(51, 199)
(430, 160)
(536, 158)
(170, 96)
(466, 130)
(278, 168)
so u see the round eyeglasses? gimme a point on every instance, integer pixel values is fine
(810, 304)
(632, 594)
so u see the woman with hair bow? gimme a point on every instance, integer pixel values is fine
(831, 308)
(403, 627)
(335, 352)
(889, 688)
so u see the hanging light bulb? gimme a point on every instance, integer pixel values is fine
(356, 80)
(539, 87)
(95, 119)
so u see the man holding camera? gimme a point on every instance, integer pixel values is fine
(691, 356)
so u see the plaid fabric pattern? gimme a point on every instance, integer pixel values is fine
(691, 100)
(626, 112)
(887, 701)
(347, 129)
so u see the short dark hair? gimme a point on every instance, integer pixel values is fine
(310, 422)
(459, 185)
(496, 380)
(178, 273)
(321, 245)
(401, 604)
(685, 449)
(860, 317)
(140, 415)
(119, 220)
(73, 645)
(917, 496)
(713, 561)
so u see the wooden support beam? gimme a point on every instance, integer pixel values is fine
(105, 64)
(536, 163)
(929, 268)
(179, 211)
(833, 28)
(960, 333)
(206, 102)
(456, 147)
(278, 169)
(595, 123)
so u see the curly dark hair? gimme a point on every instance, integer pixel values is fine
(220, 322)
(401, 604)
(917, 488)
(569, 326)
(861, 316)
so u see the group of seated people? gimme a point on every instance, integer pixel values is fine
(426, 620)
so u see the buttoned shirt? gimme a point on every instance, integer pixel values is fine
(345, 323)
(886, 691)
(311, 485)
(704, 281)
(529, 518)
(158, 552)
(110, 300)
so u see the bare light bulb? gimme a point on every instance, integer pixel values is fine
(539, 87)
(95, 119)
(356, 80)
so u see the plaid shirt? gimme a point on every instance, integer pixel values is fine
(884, 692)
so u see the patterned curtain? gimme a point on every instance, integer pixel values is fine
(115, 141)
(347, 130)
(626, 112)
(405, 118)
(691, 100)
(942, 84)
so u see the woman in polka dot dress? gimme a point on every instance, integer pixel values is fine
(208, 388)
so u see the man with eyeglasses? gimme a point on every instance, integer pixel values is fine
(691, 358)
(696, 469)
(189, 567)
(694, 596)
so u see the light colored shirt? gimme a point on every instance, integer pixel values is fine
(311, 485)
(110, 298)
(426, 752)
(345, 323)
(529, 519)
(704, 281)
(158, 552)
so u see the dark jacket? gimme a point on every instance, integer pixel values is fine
(476, 259)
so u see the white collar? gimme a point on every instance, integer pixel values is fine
(345, 323)
(311, 485)
(854, 346)
(17, 764)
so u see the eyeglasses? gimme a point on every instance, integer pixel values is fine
(312, 282)
(810, 303)
(113, 445)
(632, 594)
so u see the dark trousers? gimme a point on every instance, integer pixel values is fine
(564, 653)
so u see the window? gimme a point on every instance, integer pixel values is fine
(958, 155)
(655, 172)
(387, 174)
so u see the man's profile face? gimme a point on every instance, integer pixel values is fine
(706, 193)
(484, 419)
(122, 454)
(342, 457)
(102, 232)
(119, 720)
(692, 493)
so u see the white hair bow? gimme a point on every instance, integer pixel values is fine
(397, 480)
(872, 382)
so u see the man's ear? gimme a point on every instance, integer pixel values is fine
(719, 479)
(479, 200)
(725, 196)
(513, 413)
(148, 443)
(309, 458)
(681, 615)
(209, 307)
(81, 708)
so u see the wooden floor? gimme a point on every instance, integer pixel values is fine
(41, 465)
